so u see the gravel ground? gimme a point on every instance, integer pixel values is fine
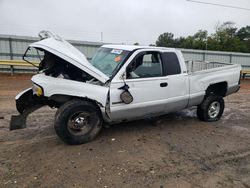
(179, 151)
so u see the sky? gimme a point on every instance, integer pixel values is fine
(117, 21)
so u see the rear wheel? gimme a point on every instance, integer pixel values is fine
(78, 122)
(211, 108)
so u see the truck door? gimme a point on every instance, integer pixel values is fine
(178, 83)
(147, 84)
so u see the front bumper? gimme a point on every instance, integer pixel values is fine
(26, 103)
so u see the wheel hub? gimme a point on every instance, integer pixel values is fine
(79, 122)
(214, 109)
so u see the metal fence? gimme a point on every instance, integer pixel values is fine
(13, 47)
(217, 56)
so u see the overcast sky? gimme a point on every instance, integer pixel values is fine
(121, 21)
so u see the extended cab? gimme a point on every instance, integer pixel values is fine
(120, 83)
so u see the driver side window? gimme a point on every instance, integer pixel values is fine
(145, 65)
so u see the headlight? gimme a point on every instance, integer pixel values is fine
(37, 90)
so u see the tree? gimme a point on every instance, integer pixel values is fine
(188, 43)
(201, 35)
(244, 33)
(178, 42)
(165, 40)
(227, 37)
(200, 40)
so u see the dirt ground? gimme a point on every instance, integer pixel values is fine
(180, 151)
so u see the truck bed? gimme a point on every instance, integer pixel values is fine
(197, 66)
(203, 74)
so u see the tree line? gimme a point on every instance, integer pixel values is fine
(227, 37)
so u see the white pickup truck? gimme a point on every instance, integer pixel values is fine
(120, 83)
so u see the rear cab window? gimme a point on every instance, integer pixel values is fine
(171, 64)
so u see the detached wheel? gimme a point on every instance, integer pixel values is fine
(211, 108)
(78, 122)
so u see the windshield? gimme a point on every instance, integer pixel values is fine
(109, 60)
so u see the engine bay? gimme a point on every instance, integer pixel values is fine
(56, 67)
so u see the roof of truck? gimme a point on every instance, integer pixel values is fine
(134, 47)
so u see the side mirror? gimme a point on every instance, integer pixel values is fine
(126, 97)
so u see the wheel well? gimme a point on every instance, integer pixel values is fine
(219, 89)
(58, 100)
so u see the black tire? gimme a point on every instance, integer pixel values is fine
(211, 109)
(199, 113)
(78, 122)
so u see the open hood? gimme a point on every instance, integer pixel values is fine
(69, 53)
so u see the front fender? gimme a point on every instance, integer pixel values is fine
(59, 86)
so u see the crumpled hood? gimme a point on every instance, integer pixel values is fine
(69, 53)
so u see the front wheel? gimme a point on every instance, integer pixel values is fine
(211, 108)
(78, 122)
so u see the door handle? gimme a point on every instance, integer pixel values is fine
(164, 84)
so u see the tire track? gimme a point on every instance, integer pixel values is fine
(226, 157)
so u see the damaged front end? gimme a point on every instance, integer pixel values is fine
(63, 73)
(27, 102)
